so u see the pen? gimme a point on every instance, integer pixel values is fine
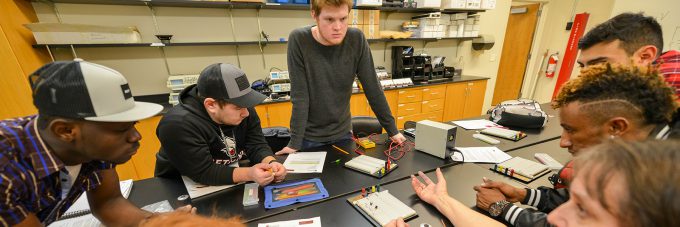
(340, 149)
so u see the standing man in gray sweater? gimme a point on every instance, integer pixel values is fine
(323, 61)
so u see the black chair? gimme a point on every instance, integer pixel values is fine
(363, 126)
(409, 124)
(277, 137)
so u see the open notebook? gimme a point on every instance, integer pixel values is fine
(79, 213)
(521, 169)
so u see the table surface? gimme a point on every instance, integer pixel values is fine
(342, 182)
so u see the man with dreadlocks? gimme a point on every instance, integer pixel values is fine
(604, 102)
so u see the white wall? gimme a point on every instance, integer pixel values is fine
(485, 63)
(145, 68)
(666, 12)
(552, 36)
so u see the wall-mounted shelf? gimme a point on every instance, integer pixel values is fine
(249, 5)
(228, 43)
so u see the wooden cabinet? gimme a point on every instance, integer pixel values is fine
(358, 105)
(424, 103)
(262, 114)
(464, 100)
(279, 114)
(142, 164)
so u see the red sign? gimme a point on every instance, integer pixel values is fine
(570, 53)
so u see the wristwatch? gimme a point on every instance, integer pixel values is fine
(497, 208)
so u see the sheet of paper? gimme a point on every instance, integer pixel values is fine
(305, 162)
(311, 222)
(480, 154)
(85, 220)
(196, 190)
(81, 204)
(475, 124)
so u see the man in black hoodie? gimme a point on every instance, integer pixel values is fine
(213, 127)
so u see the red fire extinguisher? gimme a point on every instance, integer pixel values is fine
(552, 65)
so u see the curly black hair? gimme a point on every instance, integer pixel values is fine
(620, 90)
(634, 30)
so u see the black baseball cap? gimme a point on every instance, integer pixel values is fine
(228, 83)
(84, 90)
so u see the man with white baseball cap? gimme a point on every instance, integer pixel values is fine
(84, 127)
(212, 128)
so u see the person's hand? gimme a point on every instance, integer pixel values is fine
(261, 173)
(512, 194)
(398, 138)
(429, 191)
(285, 150)
(397, 223)
(279, 171)
(487, 196)
(186, 209)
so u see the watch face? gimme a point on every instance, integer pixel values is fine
(496, 208)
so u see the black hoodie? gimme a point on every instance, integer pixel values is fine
(191, 143)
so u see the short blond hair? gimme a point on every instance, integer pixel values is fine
(317, 5)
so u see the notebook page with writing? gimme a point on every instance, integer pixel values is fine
(82, 206)
(525, 167)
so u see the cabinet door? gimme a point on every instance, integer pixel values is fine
(410, 95)
(127, 171)
(392, 100)
(262, 113)
(406, 109)
(434, 92)
(455, 101)
(475, 98)
(358, 105)
(279, 114)
(433, 105)
(145, 159)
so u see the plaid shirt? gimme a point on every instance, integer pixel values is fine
(29, 175)
(669, 67)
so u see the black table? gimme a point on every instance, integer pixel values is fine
(338, 212)
(552, 130)
(338, 180)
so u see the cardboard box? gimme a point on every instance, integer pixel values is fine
(355, 17)
(371, 16)
(453, 4)
(488, 4)
(368, 2)
(460, 16)
(473, 4)
(371, 31)
(59, 33)
(428, 3)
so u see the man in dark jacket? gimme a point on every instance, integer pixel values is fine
(604, 102)
(213, 127)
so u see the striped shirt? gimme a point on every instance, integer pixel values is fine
(29, 175)
(669, 67)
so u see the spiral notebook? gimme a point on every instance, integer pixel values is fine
(82, 207)
(521, 169)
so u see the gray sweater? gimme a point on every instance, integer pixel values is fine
(321, 86)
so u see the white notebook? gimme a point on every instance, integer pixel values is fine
(79, 213)
(82, 206)
(524, 167)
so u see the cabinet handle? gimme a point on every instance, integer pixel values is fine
(400, 105)
(426, 89)
(411, 96)
(409, 109)
(401, 92)
(425, 102)
(434, 93)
